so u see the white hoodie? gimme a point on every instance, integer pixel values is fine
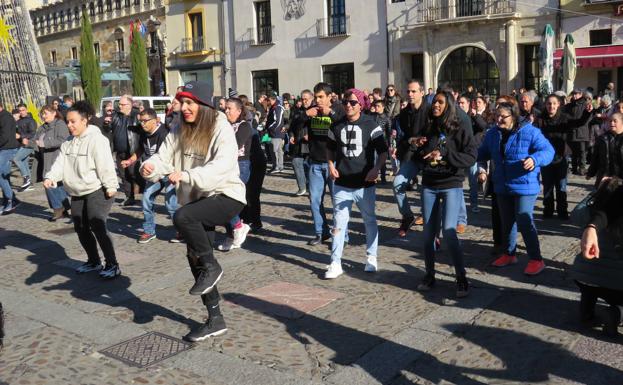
(203, 176)
(85, 164)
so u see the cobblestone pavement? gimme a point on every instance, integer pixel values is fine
(363, 328)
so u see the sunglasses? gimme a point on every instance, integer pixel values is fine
(352, 103)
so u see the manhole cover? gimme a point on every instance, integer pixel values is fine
(147, 349)
(286, 299)
(62, 231)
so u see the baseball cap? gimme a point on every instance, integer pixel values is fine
(199, 91)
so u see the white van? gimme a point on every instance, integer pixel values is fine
(158, 103)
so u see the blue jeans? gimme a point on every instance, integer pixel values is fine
(245, 173)
(5, 174)
(22, 160)
(318, 180)
(462, 218)
(57, 197)
(300, 167)
(408, 171)
(343, 199)
(441, 206)
(516, 212)
(149, 196)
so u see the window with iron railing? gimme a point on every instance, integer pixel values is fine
(340, 76)
(100, 7)
(69, 15)
(263, 23)
(91, 9)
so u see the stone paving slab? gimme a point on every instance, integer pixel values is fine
(512, 328)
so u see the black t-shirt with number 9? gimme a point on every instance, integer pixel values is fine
(354, 145)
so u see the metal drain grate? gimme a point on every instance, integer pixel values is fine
(147, 349)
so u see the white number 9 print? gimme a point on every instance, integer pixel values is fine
(353, 141)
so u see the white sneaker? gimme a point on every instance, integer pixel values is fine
(334, 270)
(371, 264)
(240, 235)
(227, 245)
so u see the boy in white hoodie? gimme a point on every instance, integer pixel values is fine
(87, 170)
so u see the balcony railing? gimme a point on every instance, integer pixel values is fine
(192, 44)
(333, 26)
(434, 10)
(121, 58)
(263, 36)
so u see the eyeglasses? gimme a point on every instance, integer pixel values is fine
(390, 89)
(352, 103)
(144, 121)
(502, 116)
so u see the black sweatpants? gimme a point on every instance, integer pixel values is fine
(196, 221)
(253, 210)
(90, 214)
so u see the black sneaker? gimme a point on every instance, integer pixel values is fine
(426, 283)
(129, 202)
(318, 240)
(110, 271)
(462, 287)
(207, 280)
(214, 326)
(88, 267)
(25, 186)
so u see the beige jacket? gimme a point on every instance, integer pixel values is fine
(216, 173)
(85, 164)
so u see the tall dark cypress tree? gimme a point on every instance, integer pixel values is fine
(90, 73)
(138, 55)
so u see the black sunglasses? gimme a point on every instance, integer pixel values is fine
(352, 103)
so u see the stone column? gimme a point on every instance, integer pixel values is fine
(426, 57)
(512, 69)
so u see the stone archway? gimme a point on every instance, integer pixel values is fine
(470, 65)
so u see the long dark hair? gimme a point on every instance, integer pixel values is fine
(196, 137)
(448, 122)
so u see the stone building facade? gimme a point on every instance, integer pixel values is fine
(288, 46)
(57, 28)
(198, 43)
(490, 44)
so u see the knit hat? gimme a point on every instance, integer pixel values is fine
(232, 93)
(362, 98)
(200, 92)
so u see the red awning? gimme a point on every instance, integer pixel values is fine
(595, 57)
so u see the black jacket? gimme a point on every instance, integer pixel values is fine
(8, 128)
(557, 128)
(411, 122)
(386, 125)
(576, 109)
(607, 157)
(126, 132)
(298, 131)
(458, 150)
(27, 128)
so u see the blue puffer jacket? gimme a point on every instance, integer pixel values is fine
(509, 176)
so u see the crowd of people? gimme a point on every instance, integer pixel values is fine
(209, 158)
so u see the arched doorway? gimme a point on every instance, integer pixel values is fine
(470, 66)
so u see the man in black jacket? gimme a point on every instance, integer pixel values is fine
(8, 149)
(298, 141)
(579, 137)
(26, 128)
(274, 127)
(126, 140)
(411, 120)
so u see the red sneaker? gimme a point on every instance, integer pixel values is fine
(405, 225)
(534, 267)
(505, 260)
